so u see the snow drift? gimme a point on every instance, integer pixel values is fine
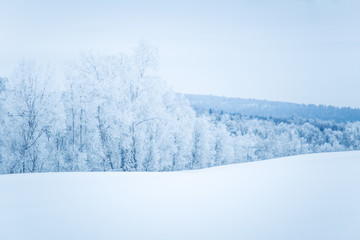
(313, 196)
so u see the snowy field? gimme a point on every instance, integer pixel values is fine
(313, 196)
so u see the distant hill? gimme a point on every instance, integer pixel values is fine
(275, 109)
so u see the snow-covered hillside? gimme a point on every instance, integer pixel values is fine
(303, 197)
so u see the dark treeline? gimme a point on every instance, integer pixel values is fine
(114, 114)
(264, 108)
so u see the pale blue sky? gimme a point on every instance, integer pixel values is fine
(295, 50)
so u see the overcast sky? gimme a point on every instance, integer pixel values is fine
(304, 51)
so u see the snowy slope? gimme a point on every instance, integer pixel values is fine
(303, 197)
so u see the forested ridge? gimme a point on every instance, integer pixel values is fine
(115, 114)
(274, 109)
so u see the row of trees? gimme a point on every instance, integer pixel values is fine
(260, 138)
(114, 114)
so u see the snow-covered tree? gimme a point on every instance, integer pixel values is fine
(203, 144)
(224, 146)
(3, 113)
(28, 119)
(130, 116)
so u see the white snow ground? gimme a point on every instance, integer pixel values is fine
(313, 196)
